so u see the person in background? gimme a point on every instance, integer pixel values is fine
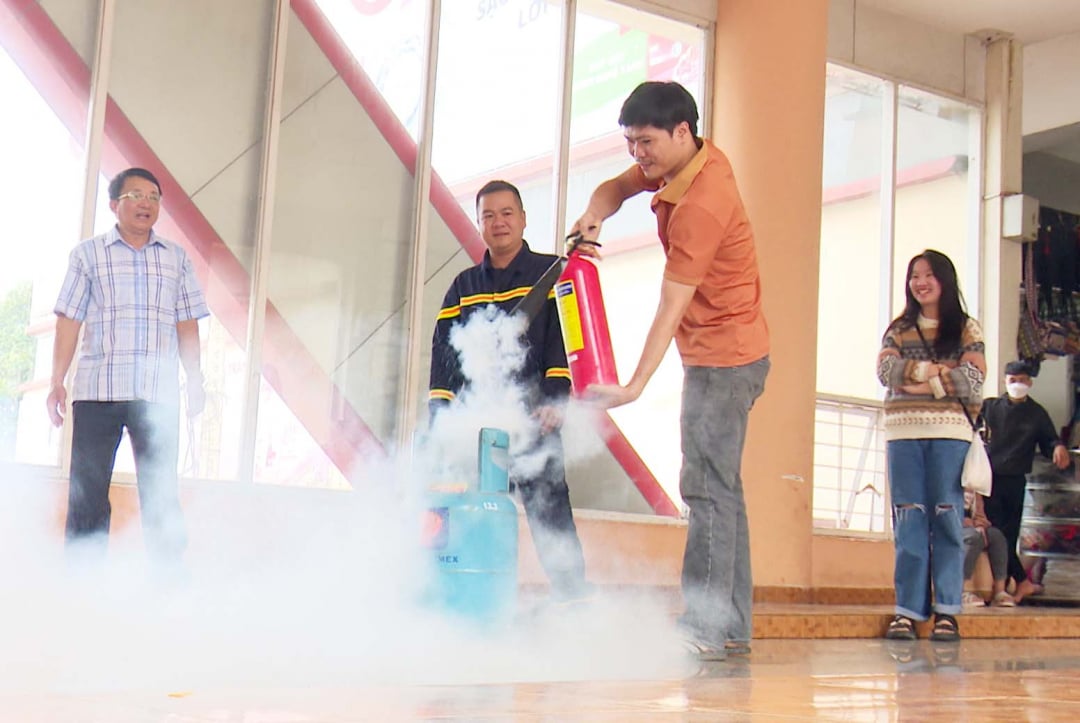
(932, 364)
(1017, 425)
(137, 295)
(979, 535)
(506, 274)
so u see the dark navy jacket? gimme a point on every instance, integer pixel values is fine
(544, 372)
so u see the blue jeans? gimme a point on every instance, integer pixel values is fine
(928, 508)
(716, 581)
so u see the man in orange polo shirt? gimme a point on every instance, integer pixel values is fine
(710, 303)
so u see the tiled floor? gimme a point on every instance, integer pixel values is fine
(787, 680)
(311, 647)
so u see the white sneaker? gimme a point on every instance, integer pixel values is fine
(972, 600)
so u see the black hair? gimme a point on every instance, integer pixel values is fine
(952, 312)
(495, 187)
(660, 105)
(1021, 367)
(117, 183)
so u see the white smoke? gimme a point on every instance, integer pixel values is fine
(332, 600)
(292, 588)
(492, 350)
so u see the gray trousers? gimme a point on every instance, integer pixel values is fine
(997, 549)
(716, 581)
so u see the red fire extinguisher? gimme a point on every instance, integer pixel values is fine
(584, 322)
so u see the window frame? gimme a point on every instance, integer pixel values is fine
(887, 273)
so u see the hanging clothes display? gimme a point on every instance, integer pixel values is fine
(1051, 288)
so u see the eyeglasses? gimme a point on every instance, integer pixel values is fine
(137, 196)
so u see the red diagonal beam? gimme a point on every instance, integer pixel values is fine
(369, 97)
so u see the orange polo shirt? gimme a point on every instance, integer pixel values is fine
(709, 244)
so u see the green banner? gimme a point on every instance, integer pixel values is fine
(608, 68)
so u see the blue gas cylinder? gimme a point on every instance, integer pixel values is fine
(472, 531)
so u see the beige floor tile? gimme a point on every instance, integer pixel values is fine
(851, 680)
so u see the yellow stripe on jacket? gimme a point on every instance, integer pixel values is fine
(452, 312)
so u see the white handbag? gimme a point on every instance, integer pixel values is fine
(977, 475)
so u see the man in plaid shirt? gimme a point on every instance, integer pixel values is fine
(137, 295)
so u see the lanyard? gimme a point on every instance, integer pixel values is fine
(933, 359)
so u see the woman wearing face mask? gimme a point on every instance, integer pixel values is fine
(1018, 424)
(932, 364)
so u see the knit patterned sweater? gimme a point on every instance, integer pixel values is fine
(926, 416)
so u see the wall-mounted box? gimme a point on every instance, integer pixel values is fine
(1020, 218)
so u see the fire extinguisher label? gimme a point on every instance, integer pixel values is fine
(569, 316)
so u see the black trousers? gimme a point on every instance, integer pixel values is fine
(154, 433)
(1005, 508)
(546, 498)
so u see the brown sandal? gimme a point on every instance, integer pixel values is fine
(946, 629)
(901, 628)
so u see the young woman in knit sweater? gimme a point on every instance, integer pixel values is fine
(932, 363)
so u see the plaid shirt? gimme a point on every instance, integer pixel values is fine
(131, 301)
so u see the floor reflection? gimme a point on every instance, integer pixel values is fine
(849, 680)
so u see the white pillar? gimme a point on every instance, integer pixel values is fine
(1002, 176)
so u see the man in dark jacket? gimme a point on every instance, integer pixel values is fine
(1017, 424)
(506, 274)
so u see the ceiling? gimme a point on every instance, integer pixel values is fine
(1063, 142)
(1030, 21)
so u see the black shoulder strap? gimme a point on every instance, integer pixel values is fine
(926, 346)
(934, 360)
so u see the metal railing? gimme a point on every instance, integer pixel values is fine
(851, 492)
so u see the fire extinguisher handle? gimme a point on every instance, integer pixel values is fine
(574, 240)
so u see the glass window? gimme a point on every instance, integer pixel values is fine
(343, 216)
(210, 197)
(386, 38)
(497, 118)
(339, 260)
(936, 206)
(937, 140)
(850, 265)
(40, 194)
(615, 49)
(492, 120)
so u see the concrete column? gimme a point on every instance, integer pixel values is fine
(768, 116)
(1002, 175)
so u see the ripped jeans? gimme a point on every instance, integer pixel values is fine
(928, 508)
